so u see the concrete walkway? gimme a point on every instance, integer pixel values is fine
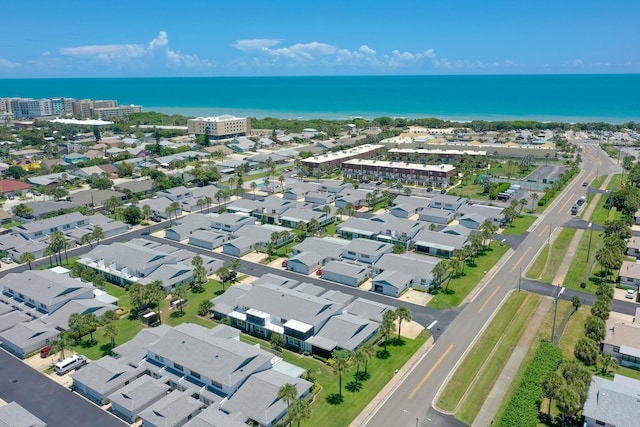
(499, 390)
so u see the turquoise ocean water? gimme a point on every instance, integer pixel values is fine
(568, 98)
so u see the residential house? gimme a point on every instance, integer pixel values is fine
(368, 309)
(366, 251)
(356, 197)
(46, 208)
(359, 228)
(230, 222)
(208, 239)
(75, 158)
(10, 186)
(14, 415)
(629, 275)
(258, 397)
(94, 199)
(436, 216)
(292, 216)
(161, 207)
(240, 246)
(102, 377)
(270, 210)
(483, 213)
(26, 338)
(438, 244)
(623, 342)
(184, 227)
(346, 273)
(177, 194)
(391, 282)
(173, 410)
(397, 231)
(137, 187)
(633, 247)
(447, 202)
(335, 187)
(298, 190)
(342, 332)
(419, 267)
(242, 144)
(45, 227)
(313, 253)
(129, 401)
(319, 198)
(306, 262)
(612, 403)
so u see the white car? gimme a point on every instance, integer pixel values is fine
(631, 294)
(7, 260)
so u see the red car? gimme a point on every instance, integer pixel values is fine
(45, 351)
(319, 272)
(285, 263)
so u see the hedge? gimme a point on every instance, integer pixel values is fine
(501, 188)
(524, 407)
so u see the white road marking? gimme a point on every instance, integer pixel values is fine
(432, 324)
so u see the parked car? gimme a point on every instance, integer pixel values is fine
(70, 363)
(379, 183)
(429, 189)
(319, 272)
(631, 294)
(443, 191)
(7, 260)
(285, 263)
(585, 184)
(45, 351)
(11, 197)
(36, 193)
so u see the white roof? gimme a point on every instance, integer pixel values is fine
(82, 122)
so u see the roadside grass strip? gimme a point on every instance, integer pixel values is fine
(520, 225)
(460, 287)
(558, 250)
(580, 269)
(467, 371)
(474, 400)
(538, 264)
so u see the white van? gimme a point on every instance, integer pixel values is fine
(70, 363)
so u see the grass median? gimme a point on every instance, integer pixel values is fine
(487, 379)
(467, 371)
(545, 267)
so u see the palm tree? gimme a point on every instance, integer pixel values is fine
(87, 239)
(179, 293)
(234, 265)
(551, 383)
(453, 265)
(76, 322)
(97, 234)
(340, 365)
(281, 179)
(403, 314)
(110, 316)
(208, 200)
(350, 209)
(387, 326)
(155, 292)
(147, 213)
(299, 411)
(223, 274)
(110, 330)
(534, 198)
(62, 344)
(358, 358)
(487, 228)
(439, 270)
(253, 186)
(609, 363)
(288, 393)
(368, 351)
(90, 321)
(27, 258)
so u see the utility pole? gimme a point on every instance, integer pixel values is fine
(520, 280)
(590, 237)
(555, 313)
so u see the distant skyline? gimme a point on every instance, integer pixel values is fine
(163, 38)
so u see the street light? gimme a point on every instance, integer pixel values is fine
(590, 237)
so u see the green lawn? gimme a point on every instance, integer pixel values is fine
(520, 225)
(324, 413)
(460, 287)
(11, 224)
(190, 311)
(579, 270)
(535, 272)
(558, 250)
(469, 190)
(331, 229)
(469, 368)
(574, 331)
(475, 399)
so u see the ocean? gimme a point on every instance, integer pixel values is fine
(568, 98)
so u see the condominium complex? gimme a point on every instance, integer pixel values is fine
(329, 161)
(28, 108)
(220, 127)
(436, 175)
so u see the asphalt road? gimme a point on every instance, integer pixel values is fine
(46, 399)
(410, 404)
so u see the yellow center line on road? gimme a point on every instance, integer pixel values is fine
(495, 291)
(565, 204)
(433, 368)
(544, 230)
(521, 258)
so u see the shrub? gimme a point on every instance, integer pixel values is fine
(524, 407)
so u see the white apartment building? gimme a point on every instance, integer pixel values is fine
(220, 127)
(115, 112)
(29, 108)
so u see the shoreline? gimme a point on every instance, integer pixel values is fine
(346, 115)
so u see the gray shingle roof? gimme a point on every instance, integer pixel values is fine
(367, 309)
(14, 415)
(57, 221)
(440, 240)
(226, 361)
(140, 393)
(45, 286)
(171, 409)
(329, 246)
(346, 331)
(133, 351)
(104, 374)
(366, 246)
(344, 268)
(613, 402)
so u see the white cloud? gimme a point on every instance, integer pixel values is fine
(400, 59)
(6, 64)
(156, 51)
(255, 44)
(577, 61)
(363, 56)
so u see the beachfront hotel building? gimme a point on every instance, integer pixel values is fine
(23, 108)
(325, 163)
(435, 175)
(220, 127)
(115, 112)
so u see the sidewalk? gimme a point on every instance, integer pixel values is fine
(499, 390)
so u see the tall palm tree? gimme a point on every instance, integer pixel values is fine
(368, 351)
(358, 358)
(76, 322)
(403, 314)
(90, 321)
(281, 180)
(62, 344)
(253, 186)
(288, 393)
(110, 330)
(300, 411)
(179, 293)
(340, 365)
(27, 258)
(234, 265)
(534, 198)
(387, 326)
(208, 200)
(97, 234)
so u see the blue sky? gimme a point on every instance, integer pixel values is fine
(275, 38)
